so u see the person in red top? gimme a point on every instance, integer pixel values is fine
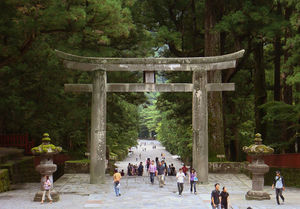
(184, 169)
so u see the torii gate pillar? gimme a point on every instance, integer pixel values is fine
(98, 128)
(200, 138)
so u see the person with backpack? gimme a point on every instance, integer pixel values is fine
(117, 177)
(47, 189)
(279, 185)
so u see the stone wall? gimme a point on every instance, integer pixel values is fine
(227, 167)
(83, 166)
(77, 166)
(21, 170)
(4, 180)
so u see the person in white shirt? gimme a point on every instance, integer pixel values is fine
(180, 180)
(279, 186)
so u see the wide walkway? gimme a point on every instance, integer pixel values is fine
(137, 192)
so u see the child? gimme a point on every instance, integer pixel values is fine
(47, 187)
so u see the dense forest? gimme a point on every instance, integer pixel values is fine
(267, 78)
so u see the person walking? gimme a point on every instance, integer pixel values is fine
(224, 198)
(148, 162)
(152, 171)
(117, 177)
(140, 169)
(184, 169)
(47, 189)
(173, 170)
(278, 182)
(160, 174)
(129, 170)
(215, 197)
(193, 180)
(180, 181)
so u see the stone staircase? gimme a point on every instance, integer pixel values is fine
(16, 168)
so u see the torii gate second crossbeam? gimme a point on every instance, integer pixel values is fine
(199, 87)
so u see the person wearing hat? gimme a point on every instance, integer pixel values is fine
(279, 186)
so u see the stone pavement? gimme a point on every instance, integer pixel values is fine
(137, 192)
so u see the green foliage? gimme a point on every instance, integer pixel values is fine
(176, 138)
(33, 99)
(32, 78)
(149, 117)
(291, 176)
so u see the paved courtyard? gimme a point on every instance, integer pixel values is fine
(137, 192)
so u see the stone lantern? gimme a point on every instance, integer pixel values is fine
(46, 166)
(258, 168)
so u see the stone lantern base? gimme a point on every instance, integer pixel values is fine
(54, 195)
(257, 195)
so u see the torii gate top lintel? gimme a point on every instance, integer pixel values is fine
(159, 64)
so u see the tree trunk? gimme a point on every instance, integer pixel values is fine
(287, 93)
(277, 48)
(213, 12)
(278, 53)
(260, 93)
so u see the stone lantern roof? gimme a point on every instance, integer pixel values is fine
(258, 148)
(46, 148)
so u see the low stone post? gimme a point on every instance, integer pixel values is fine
(46, 166)
(258, 168)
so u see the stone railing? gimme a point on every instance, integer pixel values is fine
(227, 167)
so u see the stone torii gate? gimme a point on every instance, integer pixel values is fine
(99, 66)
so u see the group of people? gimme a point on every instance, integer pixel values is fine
(220, 200)
(135, 170)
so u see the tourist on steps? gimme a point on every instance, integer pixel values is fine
(279, 186)
(184, 169)
(148, 162)
(129, 170)
(160, 174)
(180, 181)
(47, 189)
(117, 177)
(152, 171)
(140, 169)
(193, 180)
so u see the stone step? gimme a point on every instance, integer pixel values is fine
(7, 153)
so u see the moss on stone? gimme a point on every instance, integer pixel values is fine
(46, 148)
(255, 149)
(78, 161)
(4, 180)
